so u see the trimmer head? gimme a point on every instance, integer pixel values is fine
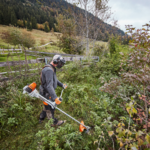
(82, 128)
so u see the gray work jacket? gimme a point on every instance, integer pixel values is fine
(50, 82)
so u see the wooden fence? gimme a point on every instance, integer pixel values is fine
(44, 58)
(20, 49)
(40, 60)
(6, 51)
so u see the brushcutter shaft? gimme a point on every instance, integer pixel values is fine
(52, 104)
(72, 118)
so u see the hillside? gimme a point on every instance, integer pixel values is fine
(38, 35)
(28, 13)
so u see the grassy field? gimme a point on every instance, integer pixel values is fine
(37, 34)
(42, 38)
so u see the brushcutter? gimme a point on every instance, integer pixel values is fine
(31, 91)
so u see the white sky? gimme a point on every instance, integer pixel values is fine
(131, 12)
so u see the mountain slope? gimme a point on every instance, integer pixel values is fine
(42, 11)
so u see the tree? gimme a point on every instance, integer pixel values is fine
(51, 23)
(13, 18)
(68, 42)
(34, 23)
(89, 22)
(29, 26)
(46, 27)
(6, 16)
(24, 22)
(1, 17)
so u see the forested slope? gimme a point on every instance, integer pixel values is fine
(42, 15)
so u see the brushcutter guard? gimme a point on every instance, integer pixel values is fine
(81, 127)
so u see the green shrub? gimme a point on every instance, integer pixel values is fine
(27, 40)
(70, 45)
(112, 45)
(14, 36)
(132, 131)
(100, 50)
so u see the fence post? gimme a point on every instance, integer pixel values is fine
(8, 48)
(45, 61)
(20, 48)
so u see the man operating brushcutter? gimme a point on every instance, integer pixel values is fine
(49, 83)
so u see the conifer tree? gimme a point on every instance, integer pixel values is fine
(24, 23)
(1, 17)
(13, 18)
(51, 23)
(29, 26)
(46, 28)
(6, 16)
(34, 23)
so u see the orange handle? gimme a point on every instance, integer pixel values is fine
(65, 86)
(57, 101)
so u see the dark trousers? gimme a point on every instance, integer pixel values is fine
(49, 112)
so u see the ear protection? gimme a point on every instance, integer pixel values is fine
(55, 61)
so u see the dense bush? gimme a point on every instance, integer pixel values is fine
(70, 45)
(100, 50)
(81, 99)
(106, 110)
(133, 132)
(112, 45)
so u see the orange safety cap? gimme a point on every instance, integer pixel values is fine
(81, 127)
(32, 86)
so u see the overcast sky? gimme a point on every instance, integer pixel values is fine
(131, 12)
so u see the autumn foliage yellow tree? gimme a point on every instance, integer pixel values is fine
(68, 42)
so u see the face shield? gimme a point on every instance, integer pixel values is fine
(61, 63)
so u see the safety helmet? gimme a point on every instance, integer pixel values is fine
(59, 60)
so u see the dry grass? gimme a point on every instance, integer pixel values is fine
(37, 34)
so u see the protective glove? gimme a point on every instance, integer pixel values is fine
(58, 100)
(64, 86)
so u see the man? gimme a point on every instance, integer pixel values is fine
(49, 83)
